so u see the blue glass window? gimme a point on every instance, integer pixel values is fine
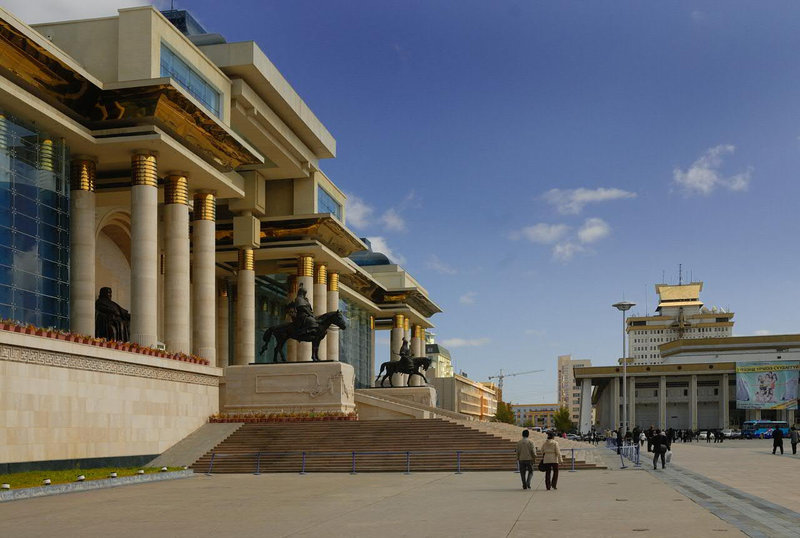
(326, 204)
(173, 66)
(34, 233)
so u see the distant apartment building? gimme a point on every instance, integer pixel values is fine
(538, 415)
(463, 395)
(569, 393)
(441, 364)
(680, 315)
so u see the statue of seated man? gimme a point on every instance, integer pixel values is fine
(111, 320)
(303, 319)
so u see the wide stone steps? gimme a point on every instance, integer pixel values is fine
(432, 446)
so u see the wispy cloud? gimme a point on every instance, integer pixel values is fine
(468, 298)
(465, 342)
(379, 244)
(542, 233)
(392, 220)
(572, 201)
(59, 10)
(567, 250)
(762, 332)
(436, 264)
(359, 213)
(704, 176)
(593, 230)
(697, 15)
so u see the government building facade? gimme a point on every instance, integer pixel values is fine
(143, 154)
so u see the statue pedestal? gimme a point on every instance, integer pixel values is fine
(425, 395)
(288, 387)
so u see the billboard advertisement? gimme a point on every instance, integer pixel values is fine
(763, 385)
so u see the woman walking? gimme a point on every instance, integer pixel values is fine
(551, 457)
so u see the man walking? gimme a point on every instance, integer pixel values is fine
(660, 447)
(794, 437)
(777, 440)
(526, 455)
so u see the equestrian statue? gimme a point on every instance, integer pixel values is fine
(406, 365)
(304, 327)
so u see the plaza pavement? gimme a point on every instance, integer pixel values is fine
(594, 503)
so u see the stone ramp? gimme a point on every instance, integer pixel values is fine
(432, 444)
(194, 445)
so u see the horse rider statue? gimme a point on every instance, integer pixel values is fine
(303, 320)
(406, 357)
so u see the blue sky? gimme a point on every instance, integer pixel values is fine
(532, 162)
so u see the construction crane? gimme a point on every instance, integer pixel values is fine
(500, 377)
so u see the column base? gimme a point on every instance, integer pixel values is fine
(288, 387)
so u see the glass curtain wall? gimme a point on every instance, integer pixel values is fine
(34, 226)
(355, 343)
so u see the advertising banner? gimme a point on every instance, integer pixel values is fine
(764, 385)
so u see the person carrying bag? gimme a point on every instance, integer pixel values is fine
(551, 457)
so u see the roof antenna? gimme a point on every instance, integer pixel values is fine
(646, 310)
(680, 274)
(663, 276)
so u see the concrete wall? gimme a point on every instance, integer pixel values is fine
(279, 198)
(79, 39)
(62, 401)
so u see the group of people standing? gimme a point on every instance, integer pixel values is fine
(549, 461)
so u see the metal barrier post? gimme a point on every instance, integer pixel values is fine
(573, 461)
(354, 463)
(258, 463)
(458, 462)
(303, 468)
(211, 464)
(408, 463)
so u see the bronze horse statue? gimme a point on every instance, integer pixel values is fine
(403, 367)
(286, 330)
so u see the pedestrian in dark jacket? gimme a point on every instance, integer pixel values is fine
(794, 437)
(777, 440)
(660, 447)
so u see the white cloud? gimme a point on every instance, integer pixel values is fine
(439, 266)
(379, 245)
(393, 221)
(465, 342)
(468, 298)
(542, 233)
(762, 332)
(572, 201)
(698, 16)
(567, 250)
(358, 212)
(61, 10)
(593, 230)
(704, 175)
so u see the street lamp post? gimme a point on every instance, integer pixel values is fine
(624, 306)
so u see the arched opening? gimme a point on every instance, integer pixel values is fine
(113, 257)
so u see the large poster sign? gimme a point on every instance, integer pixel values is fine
(762, 385)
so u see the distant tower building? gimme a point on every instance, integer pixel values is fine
(680, 314)
(569, 394)
(441, 364)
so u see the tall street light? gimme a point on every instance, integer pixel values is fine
(623, 307)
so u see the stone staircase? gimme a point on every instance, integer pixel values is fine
(329, 445)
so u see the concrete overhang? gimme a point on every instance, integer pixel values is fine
(731, 343)
(607, 372)
(387, 311)
(281, 257)
(246, 60)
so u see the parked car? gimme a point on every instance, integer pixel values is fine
(730, 433)
(573, 437)
(704, 435)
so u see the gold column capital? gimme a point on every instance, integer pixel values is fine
(82, 173)
(144, 169)
(419, 332)
(372, 323)
(333, 281)
(176, 188)
(246, 259)
(321, 276)
(305, 265)
(205, 206)
(407, 324)
(398, 321)
(46, 155)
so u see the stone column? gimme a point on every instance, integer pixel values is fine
(204, 249)
(372, 374)
(246, 309)
(222, 326)
(396, 342)
(82, 240)
(305, 277)
(144, 248)
(724, 394)
(790, 416)
(693, 401)
(291, 344)
(615, 409)
(407, 332)
(321, 306)
(586, 406)
(662, 402)
(631, 402)
(177, 287)
(333, 305)
(416, 340)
